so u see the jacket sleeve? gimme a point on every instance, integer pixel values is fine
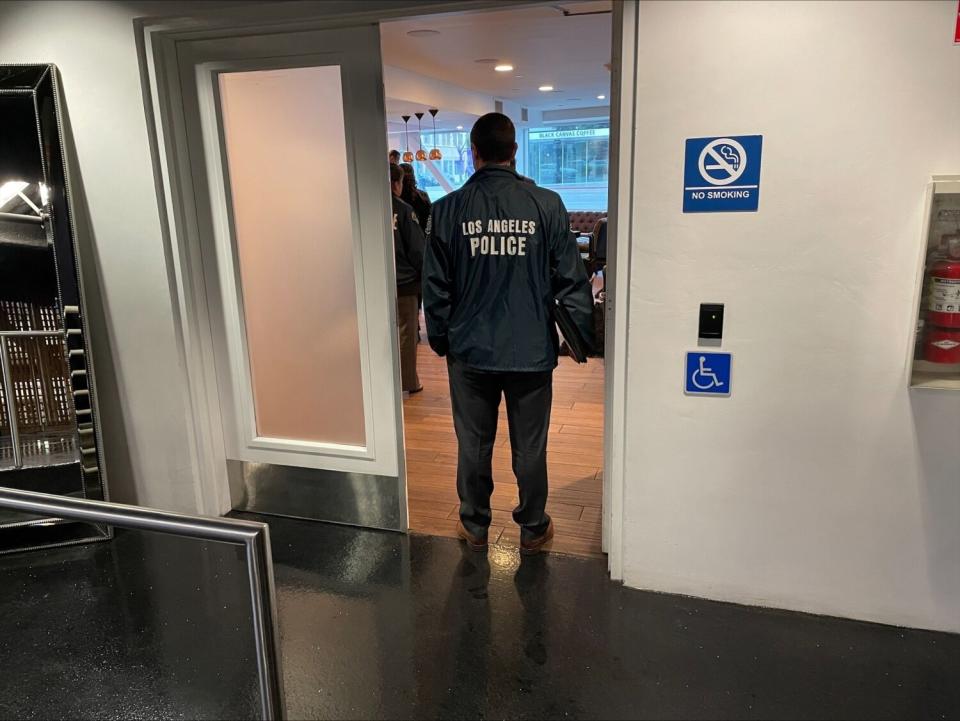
(568, 277)
(413, 235)
(437, 287)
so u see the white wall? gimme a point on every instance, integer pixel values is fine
(822, 484)
(142, 394)
(140, 375)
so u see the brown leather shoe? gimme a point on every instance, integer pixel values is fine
(534, 545)
(475, 543)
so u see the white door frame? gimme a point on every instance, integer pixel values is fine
(622, 133)
(377, 455)
(157, 44)
(199, 329)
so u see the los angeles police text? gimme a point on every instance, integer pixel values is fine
(503, 236)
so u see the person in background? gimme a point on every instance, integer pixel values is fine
(413, 196)
(499, 255)
(394, 156)
(408, 245)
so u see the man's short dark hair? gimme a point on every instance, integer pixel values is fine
(396, 173)
(394, 154)
(494, 137)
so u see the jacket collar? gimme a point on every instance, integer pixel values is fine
(493, 171)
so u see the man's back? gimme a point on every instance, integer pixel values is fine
(499, 254)
(499, 251)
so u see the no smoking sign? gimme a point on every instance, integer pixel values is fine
(722, 174)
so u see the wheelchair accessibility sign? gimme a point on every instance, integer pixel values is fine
(708, 374)
(722, 174)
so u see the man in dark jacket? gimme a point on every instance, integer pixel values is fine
(499, 253)
(408, 251)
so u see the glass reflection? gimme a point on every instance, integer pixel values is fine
(36, 378)
(48, 438)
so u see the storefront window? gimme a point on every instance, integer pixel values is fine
(573, 161)
(439, 177)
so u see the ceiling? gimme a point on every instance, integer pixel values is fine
(545, 46)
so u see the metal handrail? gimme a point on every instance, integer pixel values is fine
(29, 333)
(21, 218)
(254, 537)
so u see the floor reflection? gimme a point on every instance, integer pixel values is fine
(40, 449)
(459, 634)
(379, 625)
(144, 626)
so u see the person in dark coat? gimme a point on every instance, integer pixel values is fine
(413, 196)
(499, 255)
(408, 244)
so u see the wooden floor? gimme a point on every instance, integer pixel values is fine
(575, 459)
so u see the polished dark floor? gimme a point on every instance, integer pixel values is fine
(143, 626)
(377, 625)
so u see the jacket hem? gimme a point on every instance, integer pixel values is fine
(512, 369)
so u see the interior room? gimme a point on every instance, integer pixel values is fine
(196, 283)
(548, 68)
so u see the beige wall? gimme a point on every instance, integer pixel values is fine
(139, 371)
(822, 484)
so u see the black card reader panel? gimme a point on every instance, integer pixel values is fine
(711, 320)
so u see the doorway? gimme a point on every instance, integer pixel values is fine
(548, 68)
(182, 63)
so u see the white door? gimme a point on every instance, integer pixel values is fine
(287, 153)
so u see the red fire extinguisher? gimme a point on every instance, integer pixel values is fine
(943, 338)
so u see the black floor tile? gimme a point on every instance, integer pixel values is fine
(143, 626)
(379, 625)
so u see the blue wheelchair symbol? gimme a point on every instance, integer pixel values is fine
(708, 374)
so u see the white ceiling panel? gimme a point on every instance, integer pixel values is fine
(566, 45)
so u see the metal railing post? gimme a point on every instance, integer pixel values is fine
(11, 403)
(265, 624)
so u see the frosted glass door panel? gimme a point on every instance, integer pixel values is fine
(288, 178)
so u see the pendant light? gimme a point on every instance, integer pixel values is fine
(421, 153)
(435, 154)
(407, 155)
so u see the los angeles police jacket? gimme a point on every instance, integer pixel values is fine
(499, 251)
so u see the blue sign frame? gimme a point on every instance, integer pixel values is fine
(707, 374)
(722, 174)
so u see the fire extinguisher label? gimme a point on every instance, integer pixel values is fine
(946, 344)
(945, 295)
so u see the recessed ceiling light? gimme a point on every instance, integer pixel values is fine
(459, 127)
(601, 97)
(425, 33)
(503, 68)
(487, 61)
(545, 88)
